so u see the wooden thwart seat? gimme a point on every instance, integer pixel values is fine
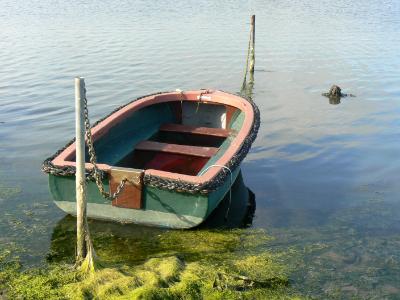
(218, 132)
(177, 149)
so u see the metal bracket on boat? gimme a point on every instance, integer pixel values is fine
(131, 195)
(132, 176)
(202, 96)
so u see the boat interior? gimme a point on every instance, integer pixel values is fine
(183, 137)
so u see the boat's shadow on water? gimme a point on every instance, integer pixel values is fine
(237, 212)
(115, 242)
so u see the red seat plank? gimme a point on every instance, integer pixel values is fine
(219, 132)
(178, 149)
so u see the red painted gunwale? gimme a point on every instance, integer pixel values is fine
(63, 159)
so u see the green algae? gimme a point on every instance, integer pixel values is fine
(197, 264)
(26, 225)
(44, 283)
(116, 243)
(7, 192)
(157, 278)
(10, 266)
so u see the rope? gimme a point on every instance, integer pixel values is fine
(230, 187)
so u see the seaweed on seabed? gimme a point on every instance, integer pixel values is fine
(197, 264)
(7, 192)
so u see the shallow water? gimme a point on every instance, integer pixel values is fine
(325, 176)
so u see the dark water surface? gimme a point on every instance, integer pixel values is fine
(326, 177)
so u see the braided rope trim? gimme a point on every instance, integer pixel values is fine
(165, 183)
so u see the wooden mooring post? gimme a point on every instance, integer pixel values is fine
(247, 87)
(253, 41)
(85, 254)
(80, 183)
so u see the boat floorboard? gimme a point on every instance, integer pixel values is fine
(177, 149)
(208, 131)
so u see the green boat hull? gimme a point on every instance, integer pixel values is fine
(161, 208)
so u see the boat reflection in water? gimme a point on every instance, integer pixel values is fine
(238, 212)
(130, 243)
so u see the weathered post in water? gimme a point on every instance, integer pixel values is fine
(84, 255)
(247, 87)
(253, 43)
(80, 169)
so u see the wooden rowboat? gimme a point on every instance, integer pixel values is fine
(178, 154)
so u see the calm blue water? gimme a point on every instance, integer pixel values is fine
(326, 177)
